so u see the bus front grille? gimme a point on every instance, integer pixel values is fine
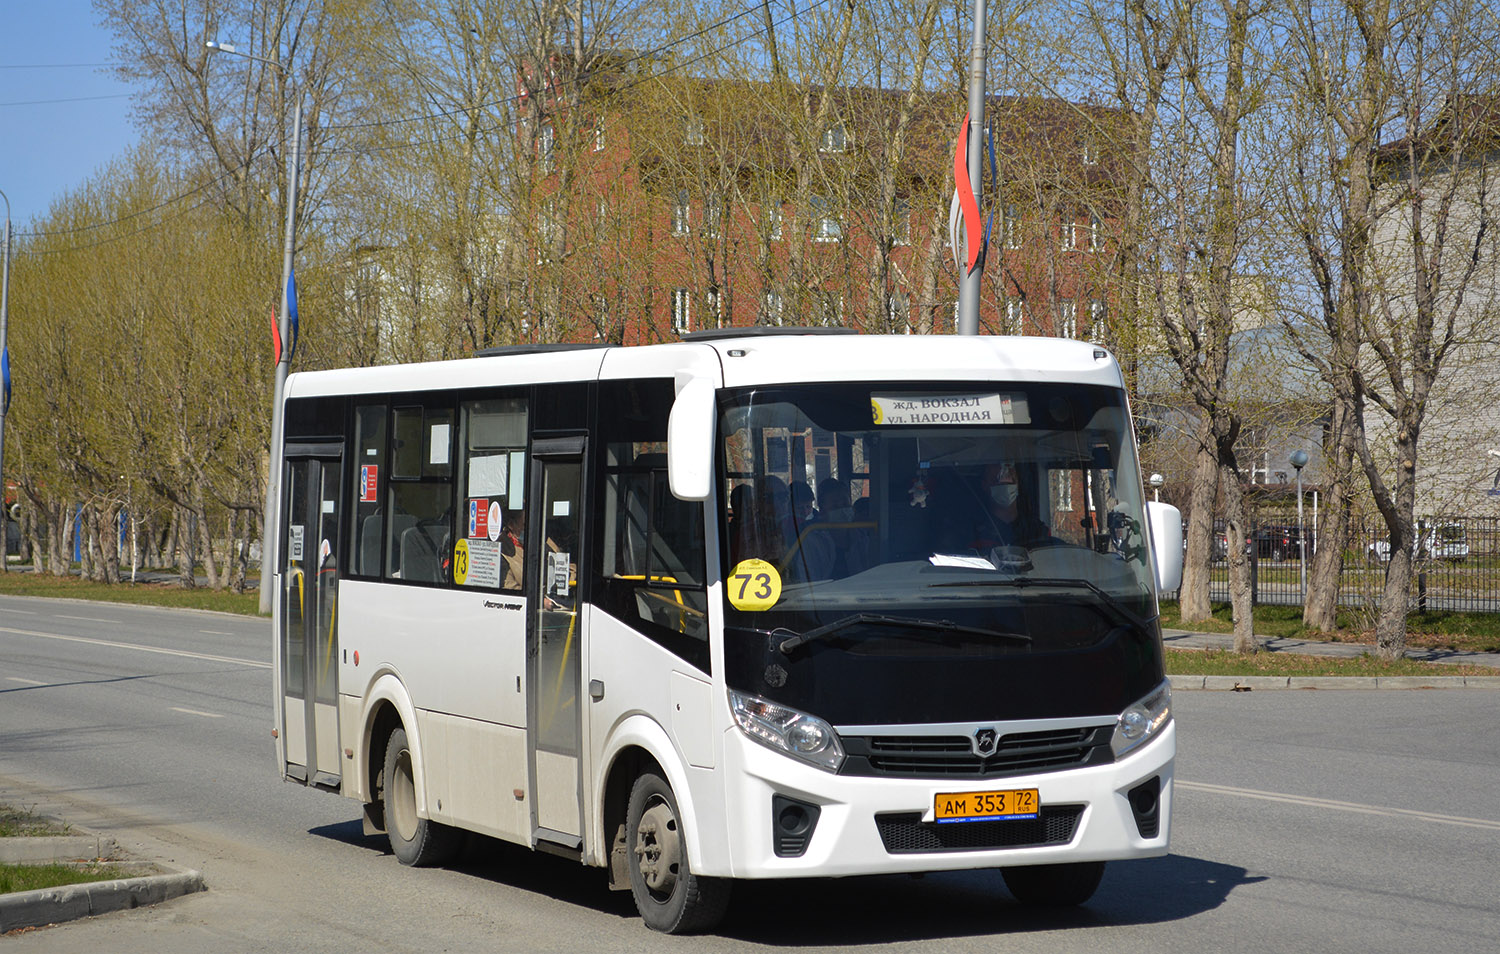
(905, 832)
(953, 756)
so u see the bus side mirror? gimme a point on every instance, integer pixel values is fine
(1166, 545)
(690, 440)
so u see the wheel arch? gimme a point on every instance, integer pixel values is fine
(388, 707)
(637, 745)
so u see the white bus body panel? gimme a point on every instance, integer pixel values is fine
(460, 659)
(647, 691)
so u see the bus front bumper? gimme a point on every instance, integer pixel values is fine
(880, 825)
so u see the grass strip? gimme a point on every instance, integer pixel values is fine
(1223, 662)
(24, 823)
(1461, 632)
(31, 877)
(140, 594)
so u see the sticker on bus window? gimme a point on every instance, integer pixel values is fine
(369, 477)
(479, 518)
(943, 410)
(754, 586)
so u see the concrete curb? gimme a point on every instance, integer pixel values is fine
(46, 849)
(1252, 683)
(54, 905)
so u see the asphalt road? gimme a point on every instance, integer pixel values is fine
(1305, 821)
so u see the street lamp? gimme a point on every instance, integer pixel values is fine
(1156, 481)
(284, 325)
(1298, 461)
(5, 374)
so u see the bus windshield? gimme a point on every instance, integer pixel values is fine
(929, 520)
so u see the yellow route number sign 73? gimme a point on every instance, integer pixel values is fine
(754, 586)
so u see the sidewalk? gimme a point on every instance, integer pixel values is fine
(29, 909)
(1183, 639)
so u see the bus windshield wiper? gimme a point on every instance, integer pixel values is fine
(787, 646)
(1120, 609)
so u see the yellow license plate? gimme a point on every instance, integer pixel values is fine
(986, 806)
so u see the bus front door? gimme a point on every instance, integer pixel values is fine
(555, 641)
(309, 616)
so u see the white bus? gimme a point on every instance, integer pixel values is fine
(757, 604)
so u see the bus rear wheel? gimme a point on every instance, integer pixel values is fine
(416, 841)
(670, 898)
(1054, 886)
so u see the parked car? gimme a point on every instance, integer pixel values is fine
(1445, 541)
(1277, 543)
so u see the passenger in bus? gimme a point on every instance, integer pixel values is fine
(741, 519)
(774, 531)
(512, 548)
(834, 549)
(1009, 521)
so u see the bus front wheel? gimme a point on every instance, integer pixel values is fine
(670, 898)
(416, 841)
(1054, 886)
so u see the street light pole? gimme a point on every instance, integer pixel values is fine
(284, 325)
(1299, 461)
(5, 361)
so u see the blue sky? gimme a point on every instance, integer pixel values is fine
(47, 149)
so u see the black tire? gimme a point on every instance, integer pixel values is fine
(1055, 886)
(419, 842)
(670, 898)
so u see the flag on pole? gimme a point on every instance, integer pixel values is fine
(5, 381)
(275, 338)
(968, 205)
(291, 313)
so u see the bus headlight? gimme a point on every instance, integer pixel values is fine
(1144, 720)
(787, 730)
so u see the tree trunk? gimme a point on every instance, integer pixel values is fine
(1193, 599)
(1390, 626)
(184, 542)
(1320, 613)
(1239, 562)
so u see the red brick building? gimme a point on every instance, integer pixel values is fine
(663, 205)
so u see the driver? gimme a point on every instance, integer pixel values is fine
(1007, 522)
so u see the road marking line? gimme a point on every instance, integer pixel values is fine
(215, 632)
(206, 715)
(9, 610)
(255, 663)
(87, 619)
(29, 682)
(1357, 807)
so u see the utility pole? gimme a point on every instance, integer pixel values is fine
(5, 385)
(284, 325)
(970, 282)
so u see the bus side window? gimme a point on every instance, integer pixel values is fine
(419, 533)
(368, 474)
(652, 556)
(492, 492)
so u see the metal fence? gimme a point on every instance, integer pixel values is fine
(1457, 569)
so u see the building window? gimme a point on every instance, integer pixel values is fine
(901, 222)
(830, 308)
(599, 135)
(682, 300)
(772, 307)
(898, 311)
(1097, 314)
(693, 131)
(1066, 230)
(1010, 225)
(1096, 226)
(681, 213)
(826, 227)
(547, 148)
(716, 307)
(835, 139)
(1062, 490)
(1090, 151)
(1067, 319)
(713, 212)
(773, 220)
(1015, 316)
